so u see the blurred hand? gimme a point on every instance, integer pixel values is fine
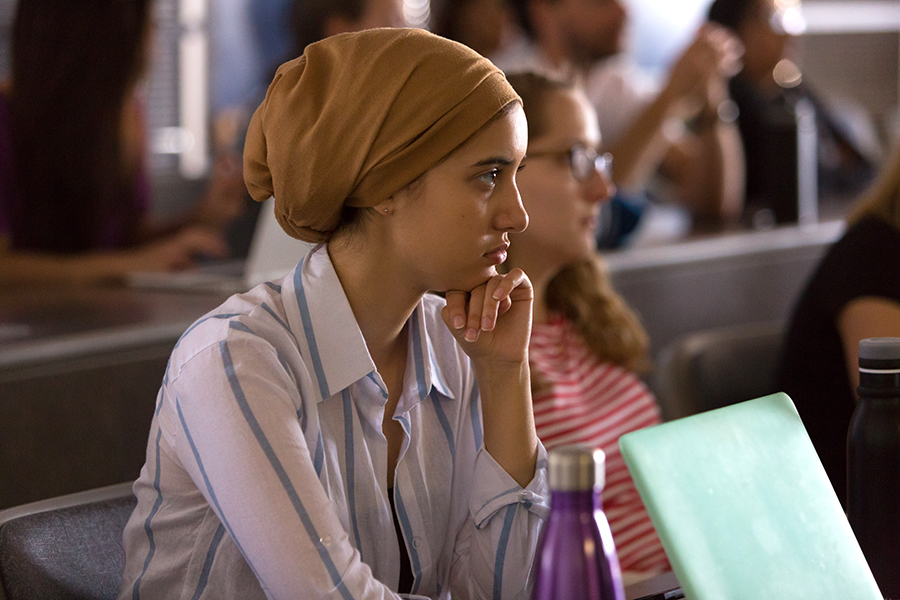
(226, 195)
(492, 323)
(176, 252)
(714, 54)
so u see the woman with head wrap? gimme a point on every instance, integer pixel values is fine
(340, 433)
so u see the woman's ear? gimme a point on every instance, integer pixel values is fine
(385, 207)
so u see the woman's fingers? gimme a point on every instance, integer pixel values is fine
(470, 313)
(475, 322)
(455, 312)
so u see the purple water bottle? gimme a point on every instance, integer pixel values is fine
(576, 558)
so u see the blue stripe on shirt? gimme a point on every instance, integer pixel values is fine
(319, 458)
(207, 564)
(500, 495)
(350, 465)
(438, 379)
(273, 286)
(308, 331)
(238, 326)
(203, 320)
(418, 359)
(281, 473)
(136, 590)
(278, 319)
(476, 415)
(408, 533)
(501, 551)
(371, 376)
(445, 424)
(206, 482)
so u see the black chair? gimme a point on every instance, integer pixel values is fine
(713, 368)
(65, 548)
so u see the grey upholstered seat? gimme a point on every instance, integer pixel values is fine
(716, 367)
(65, 548)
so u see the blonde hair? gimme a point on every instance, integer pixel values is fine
(882, 199)
(582, 292)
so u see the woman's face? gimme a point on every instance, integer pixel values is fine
(564, 211)
(450, 229)
(765, 41)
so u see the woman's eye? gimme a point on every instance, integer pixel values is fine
(490, 177)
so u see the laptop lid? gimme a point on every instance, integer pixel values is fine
(744, 508)
(271, 255)
(272, 251)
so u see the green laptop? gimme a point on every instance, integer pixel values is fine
(744, 508)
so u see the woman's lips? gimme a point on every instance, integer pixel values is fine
(498, 254)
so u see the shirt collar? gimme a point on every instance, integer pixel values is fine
(333, 345)
(327, 332)
(422, 363)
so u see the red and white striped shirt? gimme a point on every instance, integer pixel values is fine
(586, 401)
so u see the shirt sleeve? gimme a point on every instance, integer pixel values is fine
(496, 547)
(235, 430)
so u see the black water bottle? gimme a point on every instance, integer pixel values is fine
(873, 461)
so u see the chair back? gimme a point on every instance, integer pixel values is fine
(65, 548)
(718, 367)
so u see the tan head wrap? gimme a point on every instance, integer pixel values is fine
(360, 116)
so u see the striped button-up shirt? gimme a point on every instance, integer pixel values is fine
(266, 472)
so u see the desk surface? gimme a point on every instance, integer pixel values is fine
(48, 322)
(648, 587)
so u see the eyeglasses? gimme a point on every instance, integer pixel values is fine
(583, 161)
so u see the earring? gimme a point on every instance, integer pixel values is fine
(385, 210)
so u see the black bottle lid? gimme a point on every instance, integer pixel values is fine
(879, 367)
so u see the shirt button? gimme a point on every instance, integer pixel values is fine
(417, 543)
(526, 496)
(326, 540)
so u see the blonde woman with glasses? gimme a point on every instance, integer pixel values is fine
(586, 344)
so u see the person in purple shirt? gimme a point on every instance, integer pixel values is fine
(74, 189)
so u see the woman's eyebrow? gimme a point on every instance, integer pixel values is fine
(494, 160)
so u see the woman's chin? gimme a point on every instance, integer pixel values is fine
(468, 283)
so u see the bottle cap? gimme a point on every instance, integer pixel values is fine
(879, 355)
(577, 468)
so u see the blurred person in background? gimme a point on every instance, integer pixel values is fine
(314, 20)
(485, 26)
(853, 294)
(767, 92)
(74, 186)
(587, 346)
(681, 130)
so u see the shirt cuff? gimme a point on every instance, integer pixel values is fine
(494, 488)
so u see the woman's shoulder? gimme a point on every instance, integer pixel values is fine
(861, 251)
(258, 312)
(854, 266)
(870, 231)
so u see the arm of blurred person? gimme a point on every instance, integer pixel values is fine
(224, 199)
(863, 318)
(707, 164)
(172, 253)
(694, 86)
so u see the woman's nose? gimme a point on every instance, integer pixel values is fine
(599, 187)
(512, 216)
